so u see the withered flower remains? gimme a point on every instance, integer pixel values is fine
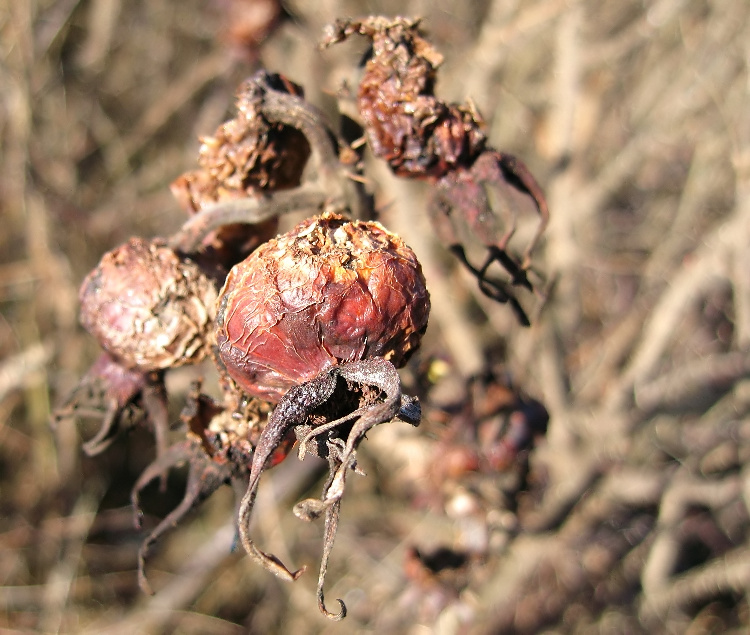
(247, 156)
(333, 298)
(422, 137)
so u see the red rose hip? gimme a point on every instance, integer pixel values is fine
(330, 291)
(148, 307)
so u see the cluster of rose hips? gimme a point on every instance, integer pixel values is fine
(305, 329)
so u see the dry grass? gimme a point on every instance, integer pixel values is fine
(634, 515)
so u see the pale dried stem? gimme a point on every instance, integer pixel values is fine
(19, 370)
(728, 574)
(498, 32)
(708, 269)
(62, 577)
(693, 384)
(155, 612)
(684, 491)
(308, 197)
(181, 91)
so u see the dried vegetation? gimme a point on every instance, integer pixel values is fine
(630, 515)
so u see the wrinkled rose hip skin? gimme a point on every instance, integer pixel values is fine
(330, 291)
(334, 304)
(150, 309)
(147, 307)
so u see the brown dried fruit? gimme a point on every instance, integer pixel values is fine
(423, 137)
(416, 133)
(330, 291)
(148, 307)
(247, 154)
(245, 157)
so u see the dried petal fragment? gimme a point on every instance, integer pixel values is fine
(328, 292)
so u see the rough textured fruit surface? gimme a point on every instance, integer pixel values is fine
(246, 157)
(330, 291)
(418, 135)
(147, 307)
(247, 154)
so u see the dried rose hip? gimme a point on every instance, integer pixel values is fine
(148, 307)
(247, 157)
(418, 135)
(247, 154)
(330, 291)
(423, 137)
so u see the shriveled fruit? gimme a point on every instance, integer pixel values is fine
(148, 307)
(419, 135)
(330, 291)
(247, 157)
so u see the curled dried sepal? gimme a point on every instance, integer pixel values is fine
(294, 412)
(331, 526)
(149, 308)
(483, 201)
(205, 476)
(109, 392)
(121, 398)
(209, 467)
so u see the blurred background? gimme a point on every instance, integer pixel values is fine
(631, 513)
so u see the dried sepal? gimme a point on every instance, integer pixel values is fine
(110, 393)
(216, 452)
(205, 476)
(292, 410)
(329, 536)
(121, 398)
(377, 383)
(482, 202)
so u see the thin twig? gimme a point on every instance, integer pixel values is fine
(308, 197)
